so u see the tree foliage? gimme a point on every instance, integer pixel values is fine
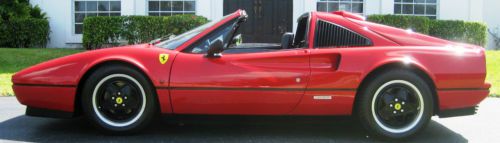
(22, 25)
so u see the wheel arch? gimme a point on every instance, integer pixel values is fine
(97, 65)
(413, 67)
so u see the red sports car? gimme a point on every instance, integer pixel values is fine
(392, 80)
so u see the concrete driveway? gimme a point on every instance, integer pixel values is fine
(15, 126)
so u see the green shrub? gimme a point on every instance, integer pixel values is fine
(102, 30)
(22, 25)
(476, 33)
(24, 32)
(416, 23)
(181, 23)
(99, 31)
(141, 29)
(454, 30)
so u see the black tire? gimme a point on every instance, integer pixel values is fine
(381, 104)
(119, 99)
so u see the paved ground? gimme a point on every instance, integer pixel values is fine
(14, 126)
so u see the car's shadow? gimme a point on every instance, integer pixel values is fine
(211, 129)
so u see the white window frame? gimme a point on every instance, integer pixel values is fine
(340, 1)
(74, 12)
(171, 7)
(415, 3)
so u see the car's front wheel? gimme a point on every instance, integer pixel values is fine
(395, 104)
(119, 99)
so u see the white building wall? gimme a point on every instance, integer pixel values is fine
(211, 9)
(469, 10)
(59, 13)
(140, 8)
(378, 7)
(300, 7)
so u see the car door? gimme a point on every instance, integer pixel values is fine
(252, 83)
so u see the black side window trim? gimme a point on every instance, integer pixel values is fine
(316, 34)
(225, 25)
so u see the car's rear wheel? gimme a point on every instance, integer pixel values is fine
(119, 99)
(396, 104)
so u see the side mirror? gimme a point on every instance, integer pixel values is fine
(237, 40)
(215, 50)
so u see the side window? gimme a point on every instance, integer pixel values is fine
(222, 33)
(329, 35)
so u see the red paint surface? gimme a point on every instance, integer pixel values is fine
(55, 98)
(281, 82)
(453, 99)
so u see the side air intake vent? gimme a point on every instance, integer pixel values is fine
(332, 35)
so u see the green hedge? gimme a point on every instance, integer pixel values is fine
(416, 23)
(100, 30)
(25, 32)
(454, 30)
(103, 31)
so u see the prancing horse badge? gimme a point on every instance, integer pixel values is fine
(163, 58)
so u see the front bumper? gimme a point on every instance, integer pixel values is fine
(47, 97)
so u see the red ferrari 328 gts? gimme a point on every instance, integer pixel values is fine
(392, 80)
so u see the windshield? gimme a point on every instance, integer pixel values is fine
(175, 42)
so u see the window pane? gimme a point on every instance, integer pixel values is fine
(79, 17)
(407, 9)
(115, 6)
(357, 8)
(154, 5)
(166, 14)
(169, 7)
(321, 6)
(166, 6)
(153, 14)
(410, 1)
(189, 6)
(84, 9)
(397, 9)
(114, 14)
(177, 6)
(78, 28)
(345, 6)
(419, 9)
(419, 1)
(333, 7)
(91, 6)
(79, 5)
(431, 10)
(397, 1)
(103, 14)
(431, 1)
(103, 6)
(91, 14)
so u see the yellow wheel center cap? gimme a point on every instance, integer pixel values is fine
(119, 100)
(397, 106)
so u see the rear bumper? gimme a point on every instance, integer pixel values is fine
(460, 102)
(46, 97)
